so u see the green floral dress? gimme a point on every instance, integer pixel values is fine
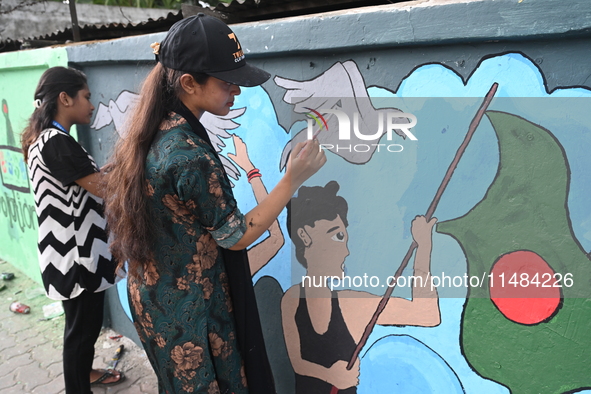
(181, 307)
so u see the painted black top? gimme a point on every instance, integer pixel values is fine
(324, 349)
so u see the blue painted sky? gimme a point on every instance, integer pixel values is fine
(385, 194)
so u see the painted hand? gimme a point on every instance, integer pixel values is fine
(341, 378)
(241, 156)
(306, 159)
(422, 229)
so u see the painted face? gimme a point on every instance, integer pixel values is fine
(217, 96)
(327, 247)
(81, 111)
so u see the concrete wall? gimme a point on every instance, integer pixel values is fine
(516, 205)
(19, 74)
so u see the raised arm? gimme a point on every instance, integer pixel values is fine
(422, 310)
(260, 254)
(301, 166)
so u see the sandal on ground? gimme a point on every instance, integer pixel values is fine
(106, 374)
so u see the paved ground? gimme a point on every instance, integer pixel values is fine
(31, 349)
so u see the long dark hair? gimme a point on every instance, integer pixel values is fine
(126, 201)
(53, 81)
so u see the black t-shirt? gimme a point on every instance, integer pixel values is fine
(66, 159)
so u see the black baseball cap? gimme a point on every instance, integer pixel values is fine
(205, 44)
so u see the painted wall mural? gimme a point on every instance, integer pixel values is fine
(505, 261)
(13, 173)
(19, 74)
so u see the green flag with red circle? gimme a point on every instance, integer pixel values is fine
(530, 327)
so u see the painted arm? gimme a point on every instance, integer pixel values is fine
(260, 254)
(422, 310)
(337, 375)
(300, 167)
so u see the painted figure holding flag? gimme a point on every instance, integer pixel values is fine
(323, 326)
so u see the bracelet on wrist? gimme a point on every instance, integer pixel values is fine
(254, 173)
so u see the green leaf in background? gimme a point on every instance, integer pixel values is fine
(525, 213)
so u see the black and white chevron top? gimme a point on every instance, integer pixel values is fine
(73, 250)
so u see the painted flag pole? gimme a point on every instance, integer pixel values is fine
(452, 167)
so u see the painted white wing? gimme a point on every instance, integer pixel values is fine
(341, 88)
(116, 111)
(102, 118)
(121, 109)
(217, 128)
(324, 91)
(126, 100)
